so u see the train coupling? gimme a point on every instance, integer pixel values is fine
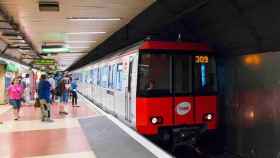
(183, 135)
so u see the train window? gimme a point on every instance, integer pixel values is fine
(111, 72)
(98, 76)
(120, 67)
(119, 77)
(182, 74)
(94, 76)
(88, 77)
(114, 76)
(84, 77)
(91, 76)
(154, 77)
(104, 76)
(205, 77)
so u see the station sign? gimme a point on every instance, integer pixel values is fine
(44, 62)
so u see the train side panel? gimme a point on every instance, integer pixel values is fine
(119, 99)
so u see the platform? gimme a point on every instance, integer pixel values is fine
(85, 133)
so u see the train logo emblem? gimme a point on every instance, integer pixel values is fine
(183, 108)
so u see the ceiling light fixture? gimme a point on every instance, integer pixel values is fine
(79, 33)
(80, 41)
(55, 50)
(77, 47)
(92, 19)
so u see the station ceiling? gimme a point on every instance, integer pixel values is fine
(77, 26)
(232, 27)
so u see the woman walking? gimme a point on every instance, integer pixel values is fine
(15, 92)
(73, 88)
(64, 96)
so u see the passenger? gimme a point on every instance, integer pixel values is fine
(22, 84)
(15, 92)
(20, 80)
(57, 79)
(44, 92)
(64, 96)
(27, 89)
(67, 88)
(53, 87)
(74, 88)
(151, 85)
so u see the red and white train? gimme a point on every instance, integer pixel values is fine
(155, 85)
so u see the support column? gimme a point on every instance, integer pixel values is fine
(2, 84)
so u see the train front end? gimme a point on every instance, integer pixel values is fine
(176, 90)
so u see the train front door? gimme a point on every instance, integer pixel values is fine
(183, 104)
(128, 101)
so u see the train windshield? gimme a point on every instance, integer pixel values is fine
(205, 80)
(154, 75)
(162, 74)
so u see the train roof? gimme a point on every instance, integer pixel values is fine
(166, 45)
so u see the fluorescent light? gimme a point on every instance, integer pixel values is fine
(92, 19)
(80, 41)
(77, 47)
(78, 33)
(55, 50)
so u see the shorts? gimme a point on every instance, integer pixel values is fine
(15, 103)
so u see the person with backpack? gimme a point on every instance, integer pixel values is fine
(53, 88)
(44, 93)
(73, 89)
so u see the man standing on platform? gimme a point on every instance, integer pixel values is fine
(27, 89)
(44, 93)
(74, 88)
(53, 87)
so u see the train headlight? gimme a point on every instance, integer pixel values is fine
(156, 120)
(208, 117)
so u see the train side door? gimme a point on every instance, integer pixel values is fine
(128, 101)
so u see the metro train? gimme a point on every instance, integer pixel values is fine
(155, 86)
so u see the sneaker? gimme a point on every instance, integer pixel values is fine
(65, 113)
(60, 112)
(49, 120)
(15, 119)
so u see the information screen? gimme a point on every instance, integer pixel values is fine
(201, 59)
